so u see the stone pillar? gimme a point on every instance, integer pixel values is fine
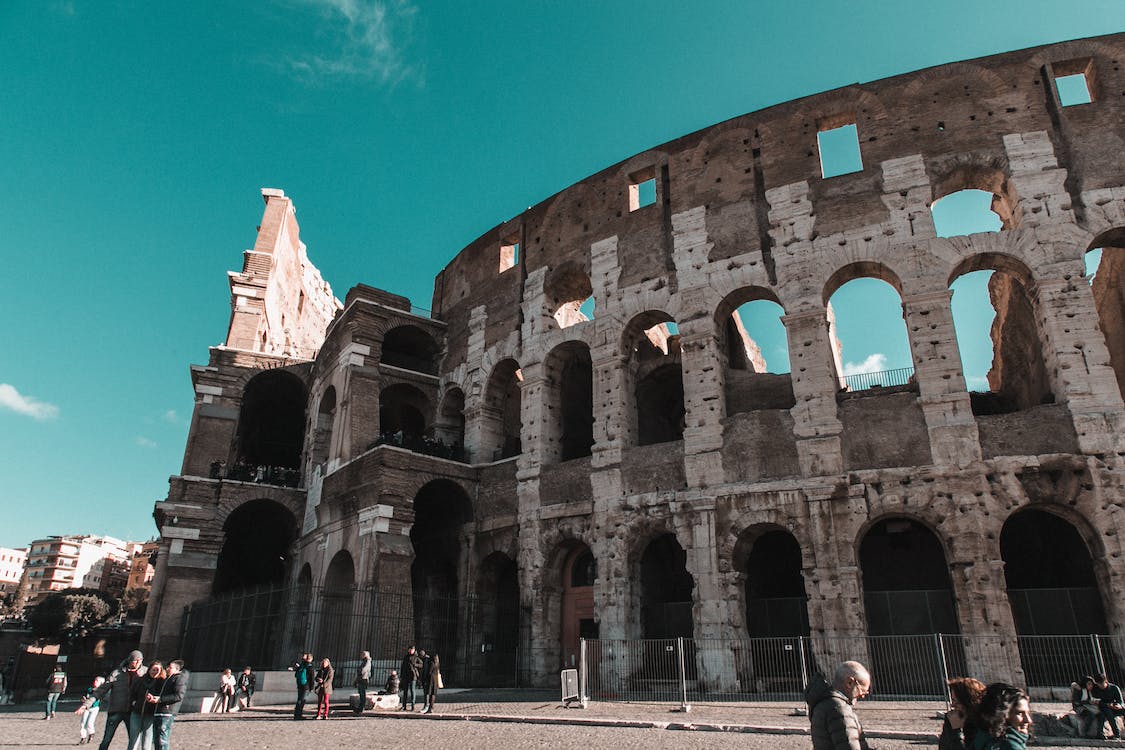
(954, 440)
(715, 664)
(477, 424)
(611, 420)
(987, 628)
(704, 403)
(815, 424)
(360, 422)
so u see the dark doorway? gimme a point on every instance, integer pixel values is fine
(666, 590)
(776, 602)
(499, 618)
(579, 572)
(576, 398)
(402, 410)
(271, 423)
(660, 405)
(256, 540)
(410, 348)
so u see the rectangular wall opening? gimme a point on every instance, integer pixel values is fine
(642, 188)
(838, 140)
(509, 253)
(1074, 81)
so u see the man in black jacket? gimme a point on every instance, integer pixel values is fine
(408, 674)
(119, 687)
(832, 719)
(1110, 701)
(167, 703)
(245, 685)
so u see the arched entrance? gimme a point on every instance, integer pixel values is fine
(335, 636)
(907, 592)
(498, 618)
(271, 423)
(579, 572)
(257, 536)
(666, 590)
(441, 508)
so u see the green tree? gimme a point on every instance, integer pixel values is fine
(71, 613)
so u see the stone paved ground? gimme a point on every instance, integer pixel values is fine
(504, 719)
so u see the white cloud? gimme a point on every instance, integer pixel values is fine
(977, 382)
(875, 363)
(29, 406)
(361, 39)
(145, 442)
(171, 416)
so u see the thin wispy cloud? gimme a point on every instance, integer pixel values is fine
(144, 442)
(171, 417)
(364, 39)
(875, 363)
(29, 406)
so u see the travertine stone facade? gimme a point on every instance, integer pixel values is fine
(741, 213)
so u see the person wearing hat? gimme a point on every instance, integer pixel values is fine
(119, 688)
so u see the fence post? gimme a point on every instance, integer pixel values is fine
(939, 644)
(804, 666)
(684, 706)
(582, 678)
(1099, 659)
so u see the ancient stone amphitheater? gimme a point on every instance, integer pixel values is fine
(504, 476)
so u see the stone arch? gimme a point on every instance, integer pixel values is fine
(410, 348)
(871, 269)
(501, 412)
(498, 616)
(952, 75)
(557, 544)
(748, 382)
(271, 420)
(324, 426)
(565, 289)
(650, 344)
(768, 561)
(404, 413)
(569, 377)
(666, 589)
(337, 628)
(979, 172)
(449, 428)
(1018, 378)
(1108, 290)
(258, 536)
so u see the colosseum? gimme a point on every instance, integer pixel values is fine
(508, 477)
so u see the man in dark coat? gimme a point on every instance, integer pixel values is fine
(119, 687)
(408, 674)
(167, 703)
(1110, 702)
(832, 718)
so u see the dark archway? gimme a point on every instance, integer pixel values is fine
(776, 601)
(271, 422)
(500, 436)
(651, 345)
(1105, 262)
(257, 537)
(325, 422)
(570, 374)
(499, 618)
(450, 427)
(441, 508)
(336, 634)
(666, 590)
(579, 571)
(411, 348)
(402, 414)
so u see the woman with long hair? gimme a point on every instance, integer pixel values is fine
(433, 682)
(143, 714)
(1005, 718)
(324, 677)
(962, 721)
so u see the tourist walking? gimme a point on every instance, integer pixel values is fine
(118, 704)
(962, 721)
(324, 677)
(363, 678)
(167, 703)
(303, 673)
(833, 722)
(432, 682)
(56, 686)
(89, 715)
(1005, 717)
(408, 674)
(142, 715)
(245, 686)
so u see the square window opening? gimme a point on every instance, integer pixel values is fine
(509, 253)
(1073, 89)
(839, 149)
(642, 189)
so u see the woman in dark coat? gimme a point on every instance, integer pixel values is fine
(323, 683)
(1005, 719)
(433, 682)
(961, 723)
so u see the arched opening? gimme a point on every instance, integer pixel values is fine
(450, 427)
(666, 590)
(906, 592)
(500, 436)
(870, 344)
(974, 198)
(1105, 267)
(579, 571)
(402, 415)
(499, 617)
(995, 321)
(755, 352)
(441, 508)
(570, 378)
(410, 348)
(1053, 591)
(271, 422)
(336, 634)
(325, 421)
(257, 536)
(567, 291)
(652, 347)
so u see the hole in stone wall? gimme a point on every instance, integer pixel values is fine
(965, 212)
(402, 414)
(755, 352)
(653, 344)
(1105, 269)
(325, 423)
(642, 188)
(500, 437)
(568, 294)
(839, 149)
(868, 335)
(776, 602)
(255, 552)
(1073, 90)
(509, 253)
(571, 395)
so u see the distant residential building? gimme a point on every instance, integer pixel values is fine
(12, 562)
(141, 567)
(62, 562)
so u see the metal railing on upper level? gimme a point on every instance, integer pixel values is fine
(863, 381)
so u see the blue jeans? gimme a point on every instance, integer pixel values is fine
(140, 732)
(299, 709)
(162, 729)
(111, 722)
(407, 690)
(52, 704)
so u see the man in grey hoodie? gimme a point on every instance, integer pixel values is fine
(832, 716)
(119, 687)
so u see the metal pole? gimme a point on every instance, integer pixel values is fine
(804, 666)
(939, 643)
(683, 676)
(1099, 659)
(582, 677)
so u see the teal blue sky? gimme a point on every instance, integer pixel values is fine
(134, 138)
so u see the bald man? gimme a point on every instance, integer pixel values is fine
(832, 716)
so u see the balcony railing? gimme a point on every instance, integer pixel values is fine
(421, 444)
(864, 381)
(278, 476)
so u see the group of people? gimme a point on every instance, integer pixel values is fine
(1096, 702)
(417, 668)
(234, 691)
(262, 474)
(145, 699)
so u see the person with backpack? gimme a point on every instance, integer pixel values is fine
(303, 673)
(56, 686)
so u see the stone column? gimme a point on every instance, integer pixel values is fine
(611, 420)
(715, 663)
(987, 628)
(954, 440)
(703, 401)
(815, 424)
